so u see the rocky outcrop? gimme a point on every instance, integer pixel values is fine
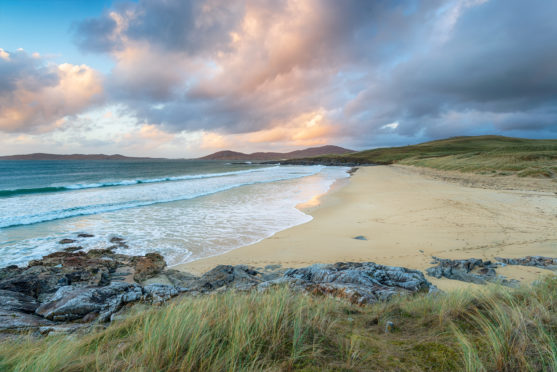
(536, 261)
(72, 303)
(472, 270)
(65, 289)
(78, 286)
(361, 283)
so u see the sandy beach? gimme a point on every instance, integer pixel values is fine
(407, 215)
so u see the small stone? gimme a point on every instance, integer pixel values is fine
(66, 241)
(85, 235)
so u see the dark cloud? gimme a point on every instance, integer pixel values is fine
(20, 69)
(436, 68)
(96, 34)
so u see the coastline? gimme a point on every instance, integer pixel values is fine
(408, 215)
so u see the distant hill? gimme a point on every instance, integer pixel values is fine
(480, 154)
(42, 156)
(269, 156)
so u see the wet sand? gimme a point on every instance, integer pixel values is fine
(409, 214)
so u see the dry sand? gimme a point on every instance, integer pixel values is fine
(409, 214)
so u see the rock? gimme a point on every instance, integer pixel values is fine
(93, 287)
(158, 293)
(542, 262)
(85, 235)
(66, 241)
(32, 281)
(100, 252)
(62, 329)
(118, 243)
(361, 283)
(147, 266)
(470, 270)
(17, 321)
(98, 267)
(173, 278)
(14, 301)
(73, 249)
(272, 267)
(72, 303)
(240, 277)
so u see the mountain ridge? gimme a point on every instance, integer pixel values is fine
(266, 156)
(45, 156)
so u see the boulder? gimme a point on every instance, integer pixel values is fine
(18, 321)
(542, 262)
(72, 303)
(360, 283)
(66, 241)
(85, 235)
(159, 293)
(174, 278)
(15, 301)
(147, 266)
(240, 277)
(472, 270)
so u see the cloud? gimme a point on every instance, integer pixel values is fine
(244, 66)
(256, 70)
(36, 95)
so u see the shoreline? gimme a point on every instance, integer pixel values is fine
(408, 216)
(304, 207)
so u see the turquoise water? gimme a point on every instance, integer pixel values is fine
(183, 209)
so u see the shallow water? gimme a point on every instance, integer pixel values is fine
(185, 210)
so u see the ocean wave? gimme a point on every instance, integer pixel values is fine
(105, 208)
(50, 189)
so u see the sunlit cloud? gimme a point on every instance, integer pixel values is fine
(38, 95)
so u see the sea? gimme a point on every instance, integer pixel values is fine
(183, 209)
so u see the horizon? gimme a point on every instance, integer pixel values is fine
(183, 79)
(212, 153)
(255, 152)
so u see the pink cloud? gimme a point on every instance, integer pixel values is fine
(43, 94)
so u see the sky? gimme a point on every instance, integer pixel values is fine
(185, 78)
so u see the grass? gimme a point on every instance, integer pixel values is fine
(481, 154)
(496, 329)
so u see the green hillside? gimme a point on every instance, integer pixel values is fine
(481, 154)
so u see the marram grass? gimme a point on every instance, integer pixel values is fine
(495, 329)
